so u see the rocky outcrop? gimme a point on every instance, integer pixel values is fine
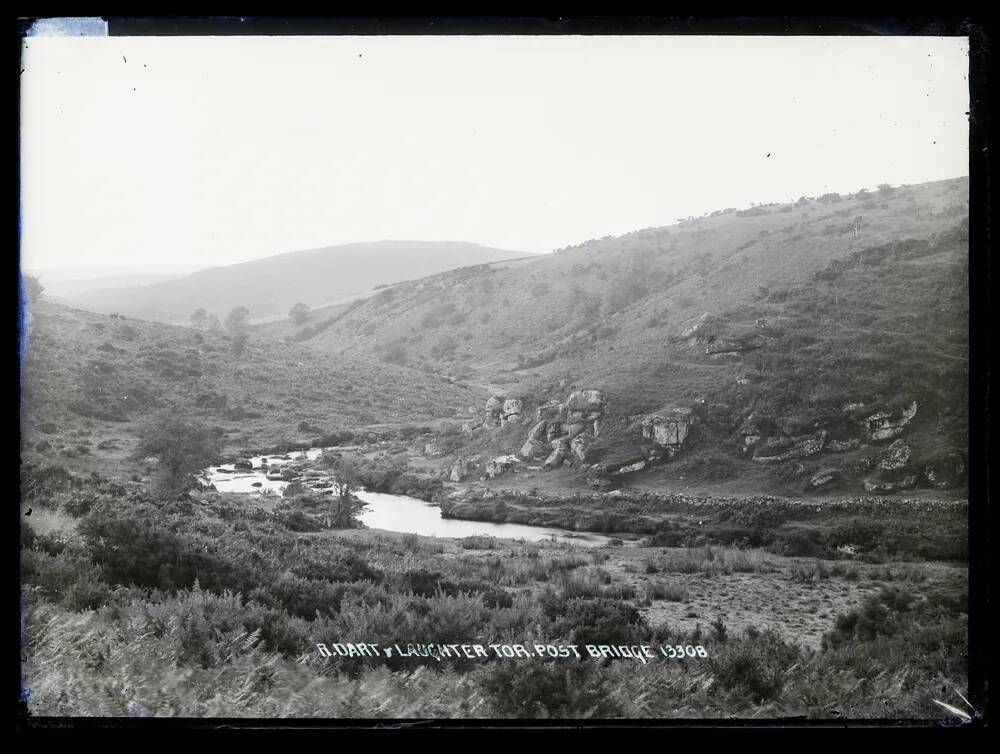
(631, 467)
(560, 449)
(668, 429)
(510, 412)
(825, 478)
(564, 431)
(499, 411)
(895, 457)
(801, 447)
(889, 481)
(842, 446)
(461, 468)
(433, 450)
(493, 416)
(553, 411)
(692, 329)
(883, 425)
(586, 407)
(500, 465)
(580, 447)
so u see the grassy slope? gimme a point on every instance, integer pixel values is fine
(271, 286)
(858, 321)
(89, 378)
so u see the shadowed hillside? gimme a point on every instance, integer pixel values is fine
(269, 287)
(780, 323)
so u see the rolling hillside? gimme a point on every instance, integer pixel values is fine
(773, 323)
(89, 381)
(269, 287)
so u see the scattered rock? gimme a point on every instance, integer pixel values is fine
(824, 477)
(884, 483)
(581, 445)
(243, 464)
(842, 446)
(632, 467)
(896, 456)
(500, 465)
(459, 470)
(433, 450)
(802, 447)
(883, 426)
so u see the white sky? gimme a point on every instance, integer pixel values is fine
(214, 150)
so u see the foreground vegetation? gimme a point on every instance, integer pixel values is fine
(209, 605)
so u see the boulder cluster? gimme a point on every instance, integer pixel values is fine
(888, 469)
(501, 411)
(562, 429)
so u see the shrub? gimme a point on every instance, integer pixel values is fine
(182, 448)
(753, 668)
(549, 689)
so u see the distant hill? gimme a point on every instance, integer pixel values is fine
(66, 288)
(269, 287)
(775, 322)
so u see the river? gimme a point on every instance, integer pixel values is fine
(397, 513)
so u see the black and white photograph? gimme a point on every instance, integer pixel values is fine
(374, 374)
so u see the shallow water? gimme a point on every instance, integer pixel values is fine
(396, 513)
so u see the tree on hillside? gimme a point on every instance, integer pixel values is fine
(213, 323)
(238, 320)
(347, 479)
(182, 449)
(299, 313)
(239, 343)
(199, 318)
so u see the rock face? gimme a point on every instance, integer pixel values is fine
(882, 425)
(668, 429)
